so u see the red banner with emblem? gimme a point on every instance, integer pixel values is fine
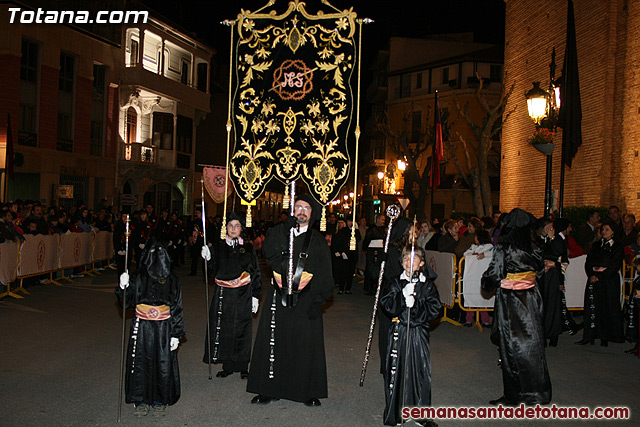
(214, 182)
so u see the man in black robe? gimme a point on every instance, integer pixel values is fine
(288, 359)
(152, 377)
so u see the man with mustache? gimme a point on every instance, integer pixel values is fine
(288, 360)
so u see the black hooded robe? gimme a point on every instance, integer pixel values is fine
(602, 312)
(517, 329)
(231, 307)
(298, 371)
(152, 374)
(417, 373)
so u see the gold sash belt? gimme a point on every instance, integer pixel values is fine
(152, 312)
(244, 279)
(519, 281)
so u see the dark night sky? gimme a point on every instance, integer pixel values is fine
(406, 18)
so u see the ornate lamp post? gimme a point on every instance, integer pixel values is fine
(543, 106)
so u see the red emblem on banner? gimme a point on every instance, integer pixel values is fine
(76, 249)
(42, 251)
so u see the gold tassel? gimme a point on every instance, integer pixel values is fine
(223, 228)
(248, 220)
(323, 219)
(352, 243)
(286, 198)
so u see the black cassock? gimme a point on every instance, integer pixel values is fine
(231, 306)
(517, 326)
(426, 308)
(152, 368)
(553, 250)
(297, 370)
(602, 312)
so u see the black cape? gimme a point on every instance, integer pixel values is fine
(602, 312)
(152, 369)
(517, 325)
(298, 371)
(231, 307)
(426, 308)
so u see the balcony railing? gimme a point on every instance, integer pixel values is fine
(136, 152)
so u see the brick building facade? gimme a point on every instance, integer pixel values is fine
(606, 169)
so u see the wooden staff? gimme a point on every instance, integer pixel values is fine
(393, 211)
(406, 349)
(206, 278)
(127, 233)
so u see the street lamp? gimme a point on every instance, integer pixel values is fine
(543, 106)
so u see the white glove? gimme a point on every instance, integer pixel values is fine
(345, 257)
(255, 302)
(122, 253)
(141, 245)
(407, 291)
(124, 280)
(337, 254)
(173, 345)
(184, 244)
(179, 241)
(210, 244)
(170, 243)
(205, 253)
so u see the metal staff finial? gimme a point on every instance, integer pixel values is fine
(393, 212)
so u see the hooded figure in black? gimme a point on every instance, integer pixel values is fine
(412, 295)
(518, 330)
(234, 266)
(152, 376)
(288, 359)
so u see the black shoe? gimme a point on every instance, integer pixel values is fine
(262, 400)
(468, 324)
(604, 343)
(633, 351)
(244, 375)
(553, 342)
(312, 402)
(573, 331)
(427, 423)
(584, 341)
(500, 401)
(224, 374)
(340, 292)
(348, 292)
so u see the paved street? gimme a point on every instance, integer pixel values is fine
(60, 359)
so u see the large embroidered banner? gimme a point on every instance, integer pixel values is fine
(293, 102)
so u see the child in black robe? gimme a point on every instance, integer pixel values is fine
(414, 302)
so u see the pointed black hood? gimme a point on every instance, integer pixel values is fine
(155, 259)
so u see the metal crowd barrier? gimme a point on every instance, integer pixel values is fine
(41, 255)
